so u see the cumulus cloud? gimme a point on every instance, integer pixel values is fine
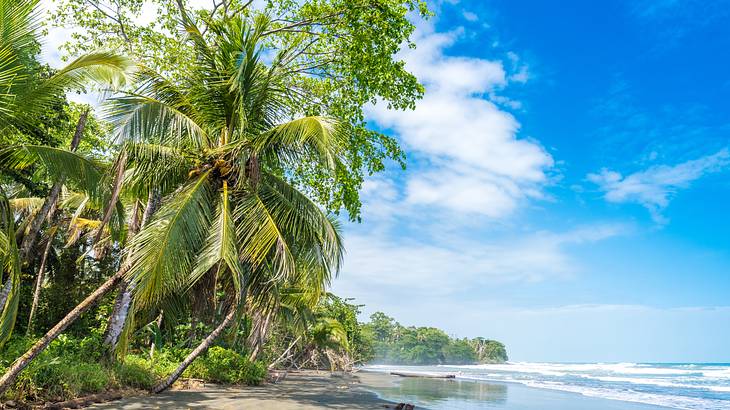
(430, 234)
(469, 16)
(654, 187)
(471, 157)
(420, 269)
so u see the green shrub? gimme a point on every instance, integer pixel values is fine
(226, 366)
(60, 380)
(198, 369)
(135, 373)
(223, 365)
(86, 378)
(73, 367)
(252, 373)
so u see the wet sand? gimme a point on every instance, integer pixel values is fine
(301, 390)
(322, 390)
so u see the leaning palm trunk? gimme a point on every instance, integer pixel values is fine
(5, 291)
(23, 361)
(122, 304)
(119, 315)
(39, 285)
(259, 332)
(202, 347)
(34, 230)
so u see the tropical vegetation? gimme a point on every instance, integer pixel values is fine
(189, 224)
(393, 343)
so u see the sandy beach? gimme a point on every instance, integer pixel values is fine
(300, 390)
(323, 390)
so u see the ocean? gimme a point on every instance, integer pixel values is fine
(690, 386)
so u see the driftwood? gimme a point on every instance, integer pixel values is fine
(85, 401)
(425, 375)
(400, 406)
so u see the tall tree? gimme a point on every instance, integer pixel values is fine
(234, 159)
(23, 98)
(223, 140)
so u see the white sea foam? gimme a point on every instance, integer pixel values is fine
(688, 386)
(618, 368)
(667, 400)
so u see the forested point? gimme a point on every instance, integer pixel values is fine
(393, 343)
(190, 224)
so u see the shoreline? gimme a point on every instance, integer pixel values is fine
(368, 389)
(395, 389)
(307, 390)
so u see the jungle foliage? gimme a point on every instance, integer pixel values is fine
(190, 224)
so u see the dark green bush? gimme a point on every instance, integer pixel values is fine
(86, 378)
(135, 373)
(73, 367)
(223, 365)
(252, 373)
(58, 379)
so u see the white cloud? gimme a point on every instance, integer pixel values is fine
(469, 16)
(654, 187)
(473, 160)
(414, 268)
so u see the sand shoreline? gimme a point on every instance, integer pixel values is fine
(299, 390)
(310, 390)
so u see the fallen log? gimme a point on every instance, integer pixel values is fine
(425, 375)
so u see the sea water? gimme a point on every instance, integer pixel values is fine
(672, 385)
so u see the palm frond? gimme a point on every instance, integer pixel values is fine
(21, 23)
(26, 206)
(316, 234)
(19, 32)
(155, 165)
(318, 137)
(162, 254)
(261, 239)
(221, 247)
(59, 163)
(10, 264)
(103, 68)
(157, 112)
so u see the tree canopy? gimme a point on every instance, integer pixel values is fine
(397, 344)
(190, 225)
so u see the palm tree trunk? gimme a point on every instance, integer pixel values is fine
(119, 315)
(38, 285)
(259, 332)
(35, 226)
(159, 327)
(118, 180)
(5, 291)
(23, 361)
(118, 318)
(202, 347)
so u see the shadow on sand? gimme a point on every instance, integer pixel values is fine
(300, 392)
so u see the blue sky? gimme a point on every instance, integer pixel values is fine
(567, 185)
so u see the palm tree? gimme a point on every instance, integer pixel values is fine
(10, 265)
(218, 147)
(22, 97)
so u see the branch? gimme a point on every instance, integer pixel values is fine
(309, 22)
